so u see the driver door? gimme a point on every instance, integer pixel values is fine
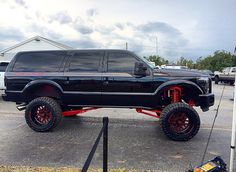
(120, 87)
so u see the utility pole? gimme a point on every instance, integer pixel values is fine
(232, 146)
(126, 45)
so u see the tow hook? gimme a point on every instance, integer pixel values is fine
(21, 107)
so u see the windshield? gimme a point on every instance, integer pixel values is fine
(149, 63)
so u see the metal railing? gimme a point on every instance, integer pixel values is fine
(104, 133)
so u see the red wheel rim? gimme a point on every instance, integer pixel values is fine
(179, 122)
(42, 115)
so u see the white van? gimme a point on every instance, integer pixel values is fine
(3, 66)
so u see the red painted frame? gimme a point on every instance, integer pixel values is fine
(156, 113)
(79, 111)
(176, 96)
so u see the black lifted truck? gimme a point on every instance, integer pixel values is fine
(52, 84)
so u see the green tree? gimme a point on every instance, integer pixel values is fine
(215, 62)
(157, 60)
(186, 62)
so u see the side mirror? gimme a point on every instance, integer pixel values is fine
(140, 69)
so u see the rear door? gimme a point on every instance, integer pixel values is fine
(3, 66)
(83, 72)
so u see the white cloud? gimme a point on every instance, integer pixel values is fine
(190, 28)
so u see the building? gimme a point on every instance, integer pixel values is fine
(36, 43)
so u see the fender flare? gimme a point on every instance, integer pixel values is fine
(42, 82)
(180, 83)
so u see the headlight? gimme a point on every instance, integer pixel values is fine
(204, 83)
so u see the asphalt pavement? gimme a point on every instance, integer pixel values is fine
(135, 140)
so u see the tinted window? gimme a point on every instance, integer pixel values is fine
(85, 61)
(3, 66)
(39, 62)
(121, 62)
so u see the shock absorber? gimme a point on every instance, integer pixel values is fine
(175, 94)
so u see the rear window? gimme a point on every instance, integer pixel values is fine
(85, 61)
(39, 62)
(3, 66)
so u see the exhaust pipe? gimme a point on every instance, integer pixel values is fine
(21, 107)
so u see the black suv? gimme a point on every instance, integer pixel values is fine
(52, 84)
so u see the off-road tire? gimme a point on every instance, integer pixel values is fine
(216, 79)
(174, 111)
(231, 82)
(51, 106)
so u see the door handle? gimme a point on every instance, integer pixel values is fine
(67, 82)
(105, 82)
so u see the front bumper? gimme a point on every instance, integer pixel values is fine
(206, 100)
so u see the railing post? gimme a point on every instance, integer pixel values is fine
(105, 144)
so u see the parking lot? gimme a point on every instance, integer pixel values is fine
(135, 140)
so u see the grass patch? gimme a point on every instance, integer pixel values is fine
(50, 169)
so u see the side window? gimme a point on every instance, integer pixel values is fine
(39, 62)
(121, 62)
(85, 61)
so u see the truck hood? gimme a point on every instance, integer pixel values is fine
(181, 73)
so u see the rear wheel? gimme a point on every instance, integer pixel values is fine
(179, 122)
(43, 114)
(216, 79)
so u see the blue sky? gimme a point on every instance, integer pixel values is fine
(186, 28)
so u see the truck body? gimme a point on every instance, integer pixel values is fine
(72, 80)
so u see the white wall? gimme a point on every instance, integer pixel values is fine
(30, 46)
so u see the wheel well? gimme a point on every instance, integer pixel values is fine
(42, 91)
(190, 95)
(174, 94)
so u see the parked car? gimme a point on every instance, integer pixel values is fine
(50, 84)
(212, 75)
(3, 66)
(174, 67)
(227, 75)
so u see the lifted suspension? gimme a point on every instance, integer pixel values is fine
(79, 111)
(174, 93)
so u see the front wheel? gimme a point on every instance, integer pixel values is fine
(43, 114)
(216, 79)
(179, 122)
